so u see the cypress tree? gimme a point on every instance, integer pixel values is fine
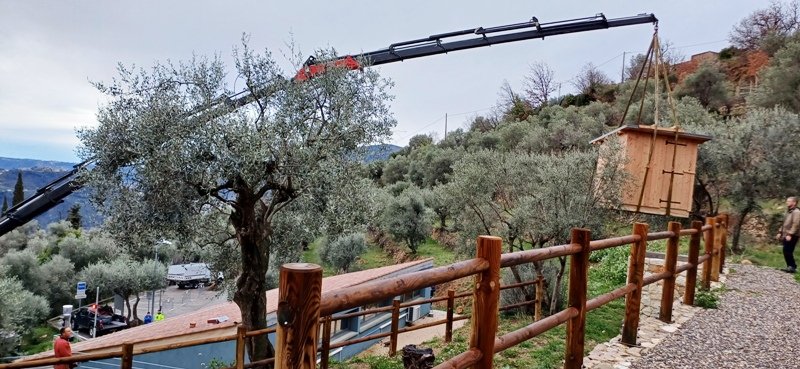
(5, 203)
(74, 216)
(19, 190)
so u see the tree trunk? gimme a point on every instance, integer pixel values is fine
(128, 304)
(135, 307)
(251, 287)
(557, 287)
(443, 220)
(737, 230)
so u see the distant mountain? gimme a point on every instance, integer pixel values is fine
(37, 174)
(14, 163)
(379, 152)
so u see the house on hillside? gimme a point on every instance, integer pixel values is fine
(195, 326)
(741, 68)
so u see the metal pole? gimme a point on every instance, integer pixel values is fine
(153, 297)
(96, 308)
(445, 126)
(622, 79)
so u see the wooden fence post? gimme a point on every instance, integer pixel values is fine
(636, 276)
(716, 265)
(578, 283)
(485, 301)
(298, 316)
(539, 294)
(670, 262)
(127, 356)
(241, 335)
(326, 343)
(709, 249)
(448, 328)
(694, 253)
(723, 240)
(395, 327)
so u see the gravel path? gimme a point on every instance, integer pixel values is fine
(756, 326)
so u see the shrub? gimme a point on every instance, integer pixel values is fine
(612, 263)
(342, 252)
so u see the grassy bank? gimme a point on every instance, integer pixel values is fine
(543, 352)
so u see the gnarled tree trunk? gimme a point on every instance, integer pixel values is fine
(251, 288)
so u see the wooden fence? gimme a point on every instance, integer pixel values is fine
(302, 306)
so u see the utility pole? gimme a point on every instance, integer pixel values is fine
(96, 311)
(622, 78)
(445, 126)
(153, 296)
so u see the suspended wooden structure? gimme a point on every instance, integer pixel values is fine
(661, 161)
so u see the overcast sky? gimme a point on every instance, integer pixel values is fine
(49, 50)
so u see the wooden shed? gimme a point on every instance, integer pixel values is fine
(636, 142)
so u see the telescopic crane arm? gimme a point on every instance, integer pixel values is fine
(55, 192)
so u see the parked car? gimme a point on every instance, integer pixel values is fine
(107, 321)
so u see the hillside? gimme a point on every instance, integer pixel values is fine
(38, 173)
(15, 163)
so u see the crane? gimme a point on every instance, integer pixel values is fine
(55, 192)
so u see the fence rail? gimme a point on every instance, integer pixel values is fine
(301, 298)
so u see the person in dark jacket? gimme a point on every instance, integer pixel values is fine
(790, 230)
(148, 318)
(62, 349)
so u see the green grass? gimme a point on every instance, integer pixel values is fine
(375, 257)
(38, 340)
(545, 351)
(763, 254)
(440, 254)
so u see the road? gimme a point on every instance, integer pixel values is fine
(174, 302)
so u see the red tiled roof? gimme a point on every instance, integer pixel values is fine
(179, 326)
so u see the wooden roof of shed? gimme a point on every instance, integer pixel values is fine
(662, 131)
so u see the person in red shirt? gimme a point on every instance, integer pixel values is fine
(62, 349)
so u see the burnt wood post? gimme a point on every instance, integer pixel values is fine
(298, 316)
(326, 343)
(670, 262)
(448, 327)
(395, 327)
(241, 335)
(709, 249)
(636, 276)
(576, 299)
(694, 253)
(716, 265)
(485, 301)
(539, 294)
(127, 356)
(723, 240)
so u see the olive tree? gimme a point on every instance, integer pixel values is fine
(407, 218)
(533, 200)
(343, 251)
(20, 312)
(167, 153)
(780, 81)
(127, 278)
(749, 157)
(24, 265)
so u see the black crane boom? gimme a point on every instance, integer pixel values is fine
(54, 193)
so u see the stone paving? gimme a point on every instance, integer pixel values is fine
(615, 355)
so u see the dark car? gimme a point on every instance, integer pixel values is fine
(107, 321)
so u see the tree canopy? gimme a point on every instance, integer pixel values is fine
(168, 154)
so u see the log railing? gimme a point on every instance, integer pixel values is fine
(302, 307)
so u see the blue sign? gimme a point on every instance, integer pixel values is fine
(81, 286)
